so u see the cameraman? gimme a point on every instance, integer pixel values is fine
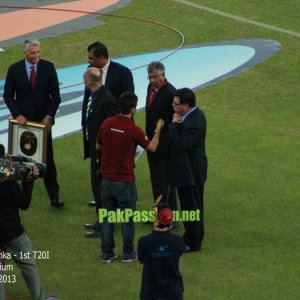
(13, 238)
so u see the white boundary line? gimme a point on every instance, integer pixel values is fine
(237, 18)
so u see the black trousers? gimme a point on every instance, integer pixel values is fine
(50, 180)
(96, 176)
(158, 176)
(191, 198)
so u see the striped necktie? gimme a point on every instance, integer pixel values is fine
(88, 105)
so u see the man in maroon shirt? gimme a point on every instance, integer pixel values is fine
(118, 138)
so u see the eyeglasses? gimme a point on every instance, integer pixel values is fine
(154, 76)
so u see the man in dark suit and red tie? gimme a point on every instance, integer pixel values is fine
(160, 94)
(31, 93)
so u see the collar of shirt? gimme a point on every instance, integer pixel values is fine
(28, 68)
(104, 71)
(187, 114)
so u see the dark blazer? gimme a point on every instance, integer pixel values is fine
(187, 161)
(160, 108)
(35, 103)
(103, 105)
(12, 198)
(118, 80)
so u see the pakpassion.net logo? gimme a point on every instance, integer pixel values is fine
(141, 216)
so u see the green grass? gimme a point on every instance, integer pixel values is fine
(251, 248)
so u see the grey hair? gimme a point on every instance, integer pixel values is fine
(93, 74)
(156, 66)
(30, 42)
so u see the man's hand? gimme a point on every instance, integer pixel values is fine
(48, 122)
(159, 125)
(177, 118)
(34, 173)
(155, 140)
(21, 119)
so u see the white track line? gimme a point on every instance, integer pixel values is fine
(237, 18)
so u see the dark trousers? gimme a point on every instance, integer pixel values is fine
(50, 179)
(122, 195)
(158, 176)
(96, 176)
(191, 198)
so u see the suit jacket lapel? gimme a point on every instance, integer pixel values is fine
(23, 73)
(95, 102)
(39, 73)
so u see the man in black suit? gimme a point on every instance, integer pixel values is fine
(115, 77)
(187, 164)
(31, 93)
(101, 105)
(160, 94)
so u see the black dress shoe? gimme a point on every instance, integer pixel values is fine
(56, 202)
(92, 203)
(93, 234)
(188, 249)
(90, 226)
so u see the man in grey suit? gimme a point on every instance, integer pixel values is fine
(187, 162)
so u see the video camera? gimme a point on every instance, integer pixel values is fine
(18, 167)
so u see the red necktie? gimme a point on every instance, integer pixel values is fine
(152, 95)
(32, 76)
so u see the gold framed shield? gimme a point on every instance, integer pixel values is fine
(28, 140)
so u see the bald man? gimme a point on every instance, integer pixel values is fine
(101, 105)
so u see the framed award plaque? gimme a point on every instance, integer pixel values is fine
(28, 140)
